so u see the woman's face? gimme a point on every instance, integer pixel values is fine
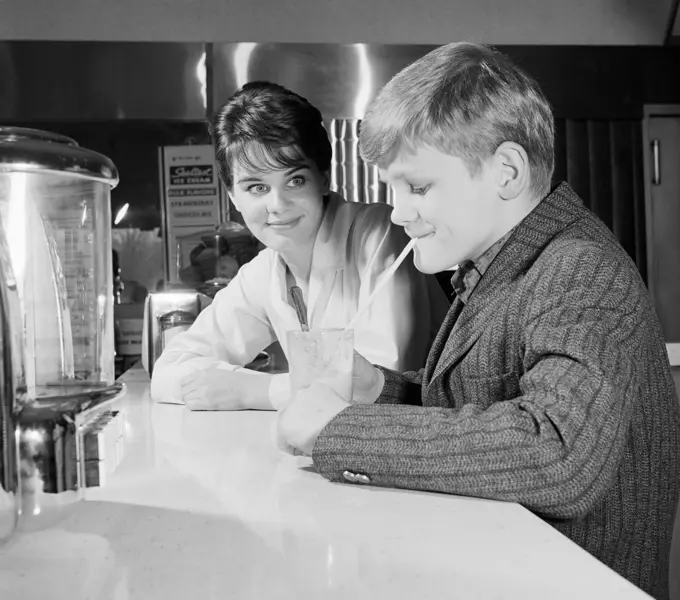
(283, 209)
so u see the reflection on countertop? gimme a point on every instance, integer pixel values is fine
(203, 505)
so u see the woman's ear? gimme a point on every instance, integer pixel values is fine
(326, 182)
(232, 199)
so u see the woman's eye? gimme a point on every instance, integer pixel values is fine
(421, 191)
(297, 181)
(257, 188)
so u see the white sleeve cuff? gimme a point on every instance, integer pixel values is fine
(279, 390)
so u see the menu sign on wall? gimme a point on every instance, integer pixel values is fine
(192, 195)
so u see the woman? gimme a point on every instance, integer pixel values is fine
(274, 157)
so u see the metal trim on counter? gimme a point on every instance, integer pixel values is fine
(51, 441)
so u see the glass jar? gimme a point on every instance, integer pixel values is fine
(11, 386)
(174, 323)
(56, 210)
(208, 260)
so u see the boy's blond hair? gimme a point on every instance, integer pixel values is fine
(465, 100)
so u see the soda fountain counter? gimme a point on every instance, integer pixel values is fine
(203, 505)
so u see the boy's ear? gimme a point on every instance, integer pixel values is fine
(511, 165)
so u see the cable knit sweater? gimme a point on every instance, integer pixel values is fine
(549, 387)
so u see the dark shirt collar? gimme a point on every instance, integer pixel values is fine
(469, 272)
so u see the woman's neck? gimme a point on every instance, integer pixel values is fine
(299, 262)
(298, 257)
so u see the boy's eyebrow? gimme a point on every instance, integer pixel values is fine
(397, 174)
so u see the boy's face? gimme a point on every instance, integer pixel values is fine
(454, 216)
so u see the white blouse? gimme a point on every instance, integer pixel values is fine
(355, 244)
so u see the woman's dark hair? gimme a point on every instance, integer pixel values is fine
(265, 125)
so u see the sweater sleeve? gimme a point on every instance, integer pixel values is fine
(556, 447)
(401, 388)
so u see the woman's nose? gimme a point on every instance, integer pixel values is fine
(276, 201)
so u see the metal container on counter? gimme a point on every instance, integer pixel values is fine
(56, 208)
(42, 455)
(208, 260)
(166, 314)
(56, 320)
(173, 323)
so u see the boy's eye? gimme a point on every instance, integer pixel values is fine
(419, 190)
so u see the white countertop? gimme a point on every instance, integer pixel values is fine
(204, 506)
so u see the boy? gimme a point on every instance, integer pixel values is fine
(548, 383)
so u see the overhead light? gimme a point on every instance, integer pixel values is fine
(121, 213)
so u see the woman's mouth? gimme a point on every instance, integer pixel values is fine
(284, 223)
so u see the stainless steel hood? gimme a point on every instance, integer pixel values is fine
(87, 81)
(339, 79)
(62, 81)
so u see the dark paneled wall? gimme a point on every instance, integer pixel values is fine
(602, 161)
(598, 82)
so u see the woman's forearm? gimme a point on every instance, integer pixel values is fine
(262, 391)
(255, 389)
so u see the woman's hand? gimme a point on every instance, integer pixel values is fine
(213, 388)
